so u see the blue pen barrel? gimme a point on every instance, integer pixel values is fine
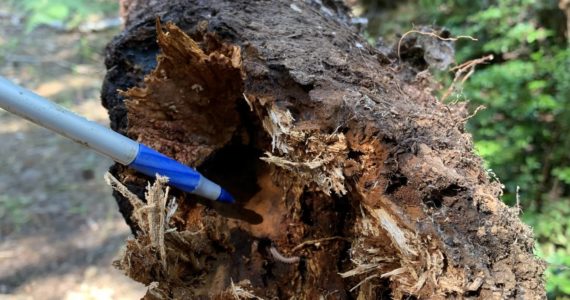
(151, 162)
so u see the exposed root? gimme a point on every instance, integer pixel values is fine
(479, 108)
(463, 72)
(432, 34)
(317, 242)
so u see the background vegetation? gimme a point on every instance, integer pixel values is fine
(63, 14)
(523, 132)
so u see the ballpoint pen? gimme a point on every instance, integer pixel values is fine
(45, 113)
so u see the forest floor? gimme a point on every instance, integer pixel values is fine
(60, 228)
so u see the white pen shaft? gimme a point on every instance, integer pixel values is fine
(45, 113)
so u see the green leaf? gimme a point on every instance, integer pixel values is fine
(545, 101)
(487, 148)
(563, 174)
(57, 11)
(536, 85)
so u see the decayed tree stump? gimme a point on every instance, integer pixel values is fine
(352, 180)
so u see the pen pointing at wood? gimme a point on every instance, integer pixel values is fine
(45, 113)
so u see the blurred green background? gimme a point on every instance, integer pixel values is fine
(522, 133)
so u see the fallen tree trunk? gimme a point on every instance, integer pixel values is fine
(352, 180)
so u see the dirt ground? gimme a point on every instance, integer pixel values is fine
(59, 226)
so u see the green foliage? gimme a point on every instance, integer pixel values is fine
(66, 13)
(563, 174)
(526, 105)
(523, 133)
(552, 232)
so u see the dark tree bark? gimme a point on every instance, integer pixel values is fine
(352, 180)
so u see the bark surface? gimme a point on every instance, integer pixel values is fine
(352, 181)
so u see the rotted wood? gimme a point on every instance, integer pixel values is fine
(352, 180)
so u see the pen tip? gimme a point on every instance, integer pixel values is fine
(226, 197)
